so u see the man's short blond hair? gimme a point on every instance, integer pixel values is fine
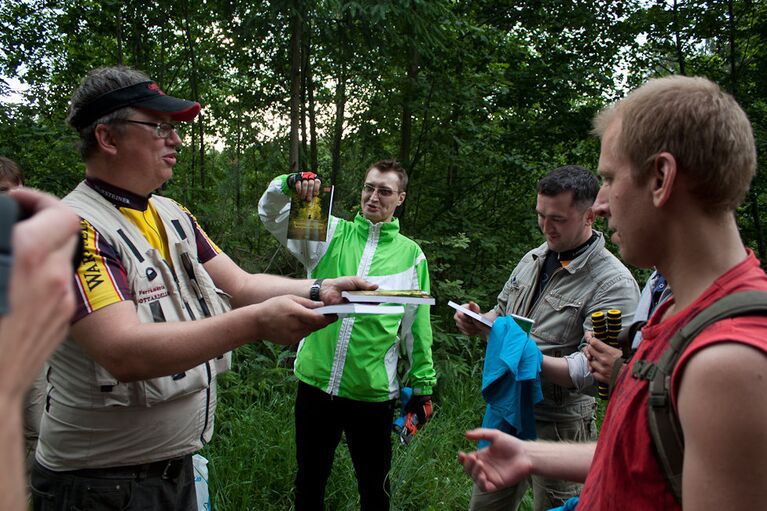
(702, 126)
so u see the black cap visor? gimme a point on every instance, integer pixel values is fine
(145, 96)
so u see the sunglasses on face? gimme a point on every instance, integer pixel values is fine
(162, 129)
(368, 189)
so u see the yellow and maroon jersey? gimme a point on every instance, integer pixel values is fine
(101, 279)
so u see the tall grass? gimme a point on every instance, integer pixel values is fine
(252, 455)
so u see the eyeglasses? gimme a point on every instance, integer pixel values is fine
(161, 129)
(382, 192)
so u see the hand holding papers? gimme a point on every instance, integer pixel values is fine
(525, 323)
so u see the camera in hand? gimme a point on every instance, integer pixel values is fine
(12, 212)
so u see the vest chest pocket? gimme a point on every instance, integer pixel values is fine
(558, 320)
(150, 392)
(167, 388)
(222, 363)
(111, 391)
(516, 293)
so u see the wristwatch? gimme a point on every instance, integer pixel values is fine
(314, 291)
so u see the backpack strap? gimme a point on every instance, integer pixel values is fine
(625, 339)
(614, 372)
(664, 424)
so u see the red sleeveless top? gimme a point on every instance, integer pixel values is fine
(626, 474)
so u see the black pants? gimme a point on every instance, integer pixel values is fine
(320, 420)
(161, 486)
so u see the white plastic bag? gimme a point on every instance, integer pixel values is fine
(201, 483)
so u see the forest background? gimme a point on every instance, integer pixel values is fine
(477, 98)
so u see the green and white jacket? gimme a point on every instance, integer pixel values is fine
(357, 357)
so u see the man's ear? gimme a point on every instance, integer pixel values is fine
(663, 178)
(105, 139)
(401, 198)
(590, 216)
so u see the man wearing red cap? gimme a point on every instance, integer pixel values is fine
(132, 391)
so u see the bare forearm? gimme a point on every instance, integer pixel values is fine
(12, 488)
(141, 351)
(261, 286)
(555, 370)
(248, 288)
(508, 460)
(138, 351)
(557, 460)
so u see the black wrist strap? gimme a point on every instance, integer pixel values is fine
(314, 291)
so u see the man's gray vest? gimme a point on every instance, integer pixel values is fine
(94, 420)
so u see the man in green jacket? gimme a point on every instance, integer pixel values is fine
(347, 372)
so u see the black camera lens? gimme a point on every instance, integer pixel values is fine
(10, 213)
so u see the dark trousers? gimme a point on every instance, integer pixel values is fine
(320, 420)
(162, 486)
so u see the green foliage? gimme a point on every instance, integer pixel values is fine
(494, 95)
(42, 147)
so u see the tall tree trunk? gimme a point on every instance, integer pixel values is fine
(733, 50)
(163, 56)
(304, 150)
(406, 127)
(338, 127)
(201, 127)
(238, 164)
(313, 157)
(195, 94)
(406, 124)
(139, 59)
(309, 87)
(295, 85)
(455, 148)
(119, 34)
(678, 41)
